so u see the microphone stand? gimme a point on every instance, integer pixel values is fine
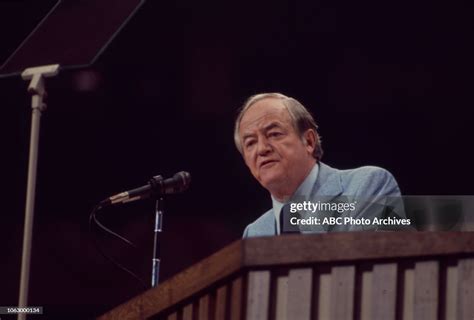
(155, 272)
(37, 89)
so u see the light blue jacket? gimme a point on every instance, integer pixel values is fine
(361, 183)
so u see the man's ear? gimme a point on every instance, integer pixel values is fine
(309, 140)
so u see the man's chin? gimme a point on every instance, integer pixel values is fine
(272, 181)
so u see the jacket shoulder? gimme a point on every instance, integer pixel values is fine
(369, 180)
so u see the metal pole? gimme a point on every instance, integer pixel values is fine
(155, 272)
(37, 89)
(37, 107)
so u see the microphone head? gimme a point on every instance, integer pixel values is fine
(185, 180)
(179, 183)
(176, 184)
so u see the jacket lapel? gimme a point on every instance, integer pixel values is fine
(268, 224)
(328, 183)
(327, 187)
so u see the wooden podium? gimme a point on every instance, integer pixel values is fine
(378, 275)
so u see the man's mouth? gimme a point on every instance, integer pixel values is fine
(267, 163)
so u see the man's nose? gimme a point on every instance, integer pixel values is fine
(263, 147)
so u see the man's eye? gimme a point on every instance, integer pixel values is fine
(275, 134)
(249, 143)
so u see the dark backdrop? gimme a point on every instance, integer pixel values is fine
(390, 84)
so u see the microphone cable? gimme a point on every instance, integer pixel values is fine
(93, 218)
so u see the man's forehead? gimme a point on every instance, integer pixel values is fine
(263, 112)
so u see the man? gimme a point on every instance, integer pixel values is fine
(279, 142)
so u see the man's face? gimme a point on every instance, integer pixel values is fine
(272, 149)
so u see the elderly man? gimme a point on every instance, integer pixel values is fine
(279, 142)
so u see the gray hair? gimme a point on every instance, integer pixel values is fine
(301, 119)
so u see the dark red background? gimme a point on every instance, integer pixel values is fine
(390, 84)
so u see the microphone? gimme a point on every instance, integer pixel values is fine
(157, 186)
